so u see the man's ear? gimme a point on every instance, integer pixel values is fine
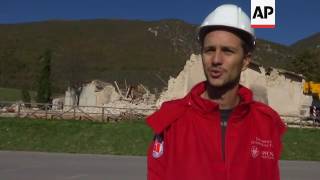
(246, 61)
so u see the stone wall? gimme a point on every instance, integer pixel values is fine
(70, 97)
(98, 93)
(95, 93)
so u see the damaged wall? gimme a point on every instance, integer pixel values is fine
(95, 93)
(98, 93)
(282, 90)
(70, 97)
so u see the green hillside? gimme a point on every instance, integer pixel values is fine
(109, 50)
(312, 42)
(101, 49)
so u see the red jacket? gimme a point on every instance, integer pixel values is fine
(191, 146)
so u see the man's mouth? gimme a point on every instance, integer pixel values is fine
(216, 73)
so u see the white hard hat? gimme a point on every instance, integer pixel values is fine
(229, 16)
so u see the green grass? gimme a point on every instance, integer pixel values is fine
(11, 94)
(123, 138)
(302, 144)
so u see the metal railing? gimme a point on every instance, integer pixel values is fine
(301, 121)
(50, 111)
(108, 114)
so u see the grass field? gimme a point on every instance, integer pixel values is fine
(11, 94)
(123, 138)
(302, 144)
(8, 94)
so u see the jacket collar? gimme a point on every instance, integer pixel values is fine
(207, 106)
(171, 111)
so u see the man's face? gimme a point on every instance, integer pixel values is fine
(223, 58)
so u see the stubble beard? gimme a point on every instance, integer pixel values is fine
(216, 91)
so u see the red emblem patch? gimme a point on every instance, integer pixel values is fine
(157, 149)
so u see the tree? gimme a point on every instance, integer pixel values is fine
(75, 68)
(26, 98)
(307, 64)
(44, 83)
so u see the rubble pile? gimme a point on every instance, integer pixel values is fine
(135, 99)
(280, 89)
(178, 87)
(123, 107)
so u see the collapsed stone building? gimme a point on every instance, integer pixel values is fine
(97, 94)
(280, 89)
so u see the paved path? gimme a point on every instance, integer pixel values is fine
(54, 166)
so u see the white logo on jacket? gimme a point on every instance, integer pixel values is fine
(262, 148)
(254, 151)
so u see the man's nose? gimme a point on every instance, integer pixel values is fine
(217, 57)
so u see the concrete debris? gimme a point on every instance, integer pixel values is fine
(178, 87)
(280, 89)
(57, 103)
(125, 107)
(155, 32)
(98, 94)
(140, 94)
(11, 108)
(70, 97)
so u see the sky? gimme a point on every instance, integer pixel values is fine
(295, 19)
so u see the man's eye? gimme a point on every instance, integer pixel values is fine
(209, 50)
(228, 51)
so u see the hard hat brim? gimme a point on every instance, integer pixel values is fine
(243, 35)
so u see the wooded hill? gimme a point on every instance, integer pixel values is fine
(109, 50)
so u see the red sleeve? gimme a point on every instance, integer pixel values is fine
(280, 129)
(155, 166)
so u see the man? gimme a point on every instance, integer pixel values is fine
(217, 131)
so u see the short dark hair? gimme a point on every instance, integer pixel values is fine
(247, 41)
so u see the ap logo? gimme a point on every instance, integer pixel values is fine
(263, 14)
